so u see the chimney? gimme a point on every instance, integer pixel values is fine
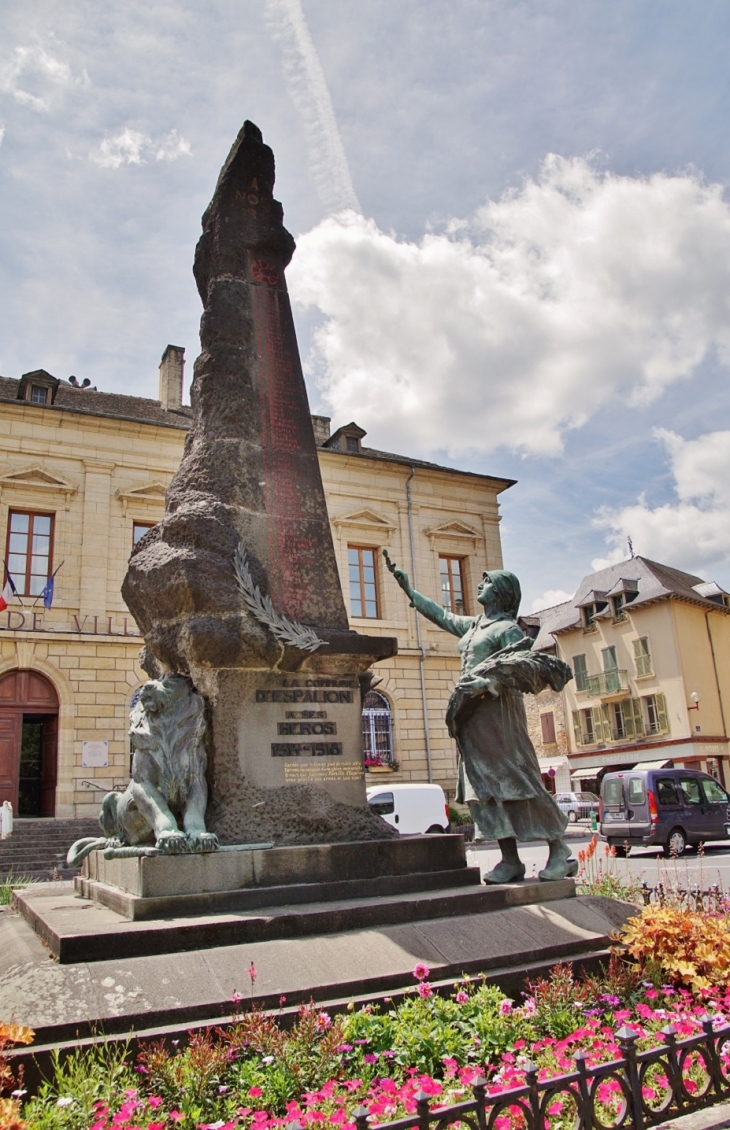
(321, 425)
(171, 377)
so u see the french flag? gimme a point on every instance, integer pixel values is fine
(7, 594)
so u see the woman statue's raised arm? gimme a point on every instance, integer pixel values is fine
(457, 625)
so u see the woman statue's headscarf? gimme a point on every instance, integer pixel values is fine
(508, 591)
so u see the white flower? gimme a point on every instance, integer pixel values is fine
(268, 1059)
(64, 1101)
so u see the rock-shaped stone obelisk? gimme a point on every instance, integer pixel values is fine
(249, 488)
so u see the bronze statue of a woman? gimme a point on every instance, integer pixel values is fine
(499, 774)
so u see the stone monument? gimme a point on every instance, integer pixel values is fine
(237, 588)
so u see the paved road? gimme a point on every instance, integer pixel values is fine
(644, 864)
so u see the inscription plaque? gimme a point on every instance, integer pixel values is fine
(303, 729)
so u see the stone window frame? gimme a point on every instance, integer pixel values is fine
(141, 524)
(360, 549)
(462, 562)
(23, 589)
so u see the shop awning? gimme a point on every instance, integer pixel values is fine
(586, 773)
(660, 763)
(548, 763)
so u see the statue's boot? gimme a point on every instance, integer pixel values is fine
(510, 868)
(560, 864)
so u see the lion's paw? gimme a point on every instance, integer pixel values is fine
(172, 843)
(206, 841)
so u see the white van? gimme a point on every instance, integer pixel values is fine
(411, 808)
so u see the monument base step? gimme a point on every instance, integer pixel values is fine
(139, 909)
(76, 929)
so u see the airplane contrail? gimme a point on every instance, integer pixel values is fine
(308, 87)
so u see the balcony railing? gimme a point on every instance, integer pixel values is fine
(608, 683)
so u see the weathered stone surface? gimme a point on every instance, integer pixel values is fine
(250, 471)
(248, 490)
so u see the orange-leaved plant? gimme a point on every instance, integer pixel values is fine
(691, 948)
(10, 1107)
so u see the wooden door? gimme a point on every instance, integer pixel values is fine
(30, 693)
(11, 728)
(49, 765)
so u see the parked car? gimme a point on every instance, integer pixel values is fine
(577, 806)
(667, 808)
(411, 808)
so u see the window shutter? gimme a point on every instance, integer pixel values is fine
(547, 724)
(577, 728)
(605, 718)
(627, 714)
(635, 705)
(661, 711)
(642, 656)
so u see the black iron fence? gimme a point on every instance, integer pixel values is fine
(640, 1089)
(712, 898)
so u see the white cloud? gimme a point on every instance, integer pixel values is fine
(549, 599)
(308, 87)
(692, 532)
(173, 147)
(507, 329)
(128, 147)
(40, 69)
(2, 132)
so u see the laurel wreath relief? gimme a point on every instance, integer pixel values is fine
(290, 632)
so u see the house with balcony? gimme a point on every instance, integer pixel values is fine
(649, 646)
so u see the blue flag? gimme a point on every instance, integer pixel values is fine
(47, 593)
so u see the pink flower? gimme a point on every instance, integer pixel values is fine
(155, 1101)
(236, 998)
(461, 997)
(175, 1116)
(505, 1007)
(425, 990)
(252, 973)
(323, 1021)
(420, 971)
(255, 1092)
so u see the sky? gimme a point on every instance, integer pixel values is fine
(513, 229)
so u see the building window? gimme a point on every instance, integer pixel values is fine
(610, 662)
(584, 727)
(642, 658)
(451, 570)
(38, 395)
(656, 720)
(352, 445)
(580, 670)
(618, 605)
(139, 529)
(618, 721)
(29, 551)
(547, 724)
(363, 582)
(588, 614)
(377, 729)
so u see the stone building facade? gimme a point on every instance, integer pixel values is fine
(83, 474)
(649, 646)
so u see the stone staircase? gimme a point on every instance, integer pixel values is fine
(37, 847)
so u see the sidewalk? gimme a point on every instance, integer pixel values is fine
(713, 1118)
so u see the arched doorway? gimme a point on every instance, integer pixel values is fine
(28, 743)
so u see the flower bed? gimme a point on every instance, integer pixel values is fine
(256, 1075)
